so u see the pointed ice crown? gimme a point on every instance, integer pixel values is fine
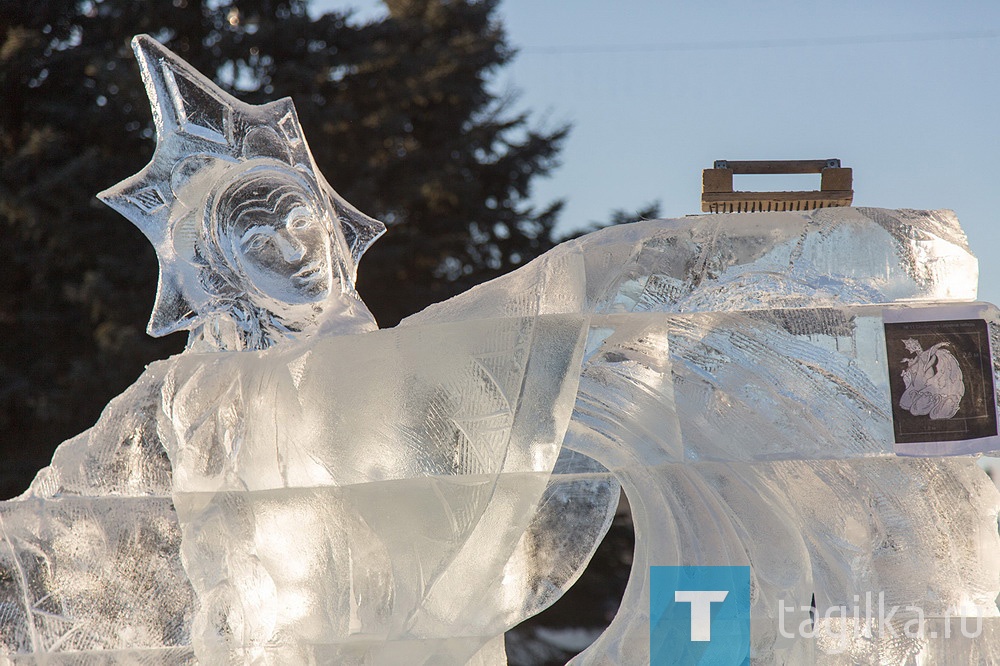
(206, 139)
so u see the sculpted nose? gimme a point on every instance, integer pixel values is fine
(291, 249)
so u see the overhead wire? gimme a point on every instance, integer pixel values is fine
(743, 44)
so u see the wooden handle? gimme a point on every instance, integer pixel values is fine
(717, 195)
(758, 167)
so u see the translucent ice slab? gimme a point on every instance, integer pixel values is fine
(411, 491)
(748, 261)
(89, 555)
(771, 390)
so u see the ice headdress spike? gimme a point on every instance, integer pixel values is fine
(203, 134)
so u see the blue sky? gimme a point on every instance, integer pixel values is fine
(905, 93)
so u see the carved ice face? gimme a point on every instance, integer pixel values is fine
(277, 235)
(285, 253)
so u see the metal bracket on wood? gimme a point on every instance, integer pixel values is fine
(717, 195)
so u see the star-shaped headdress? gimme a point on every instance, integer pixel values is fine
(203, 135)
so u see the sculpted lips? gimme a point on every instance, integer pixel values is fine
(308, 273)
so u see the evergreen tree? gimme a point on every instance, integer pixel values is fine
(650, 211)
(398, 113)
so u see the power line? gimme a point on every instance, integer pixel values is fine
(785, 43)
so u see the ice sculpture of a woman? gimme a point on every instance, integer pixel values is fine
(272, 233)
(255, 249)
(347, 495)
(275, 259)
(257, 252)
(254, 245)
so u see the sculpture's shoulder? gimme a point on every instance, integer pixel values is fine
(122, 454)
(573, 277)
(740, 261)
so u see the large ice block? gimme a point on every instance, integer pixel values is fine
(800, 393)
(715, 263)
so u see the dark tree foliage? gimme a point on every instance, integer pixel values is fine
(401, 119)
(398, 113)
(650, 211)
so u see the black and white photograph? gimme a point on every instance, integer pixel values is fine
(941, 381)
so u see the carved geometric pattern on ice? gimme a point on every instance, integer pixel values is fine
(290, 128)
(481, 450)
(148, 199)
(199, 113)
(658, 290)
(56, 631)
(505, 358)
(489, 392)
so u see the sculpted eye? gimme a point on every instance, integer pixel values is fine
(255, 240)
(300, 218)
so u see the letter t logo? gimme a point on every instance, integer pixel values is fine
(701, 606)
(699, 615)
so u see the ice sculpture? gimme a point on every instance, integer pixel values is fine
(787, 391)
(242, 220)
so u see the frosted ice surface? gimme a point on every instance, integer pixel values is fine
(299, 487)
(89, 555)
(825, 258)
(363, 515)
